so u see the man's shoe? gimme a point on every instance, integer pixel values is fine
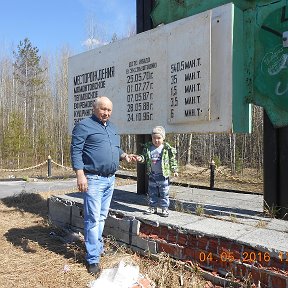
(151, 210)
(93, 269)
(164, 212)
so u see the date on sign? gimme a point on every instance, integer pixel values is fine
(144, 116)
(245, 256)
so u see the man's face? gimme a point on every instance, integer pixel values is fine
(104, 110)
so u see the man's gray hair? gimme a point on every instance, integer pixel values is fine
(100, 99)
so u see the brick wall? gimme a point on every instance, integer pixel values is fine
(220, 256)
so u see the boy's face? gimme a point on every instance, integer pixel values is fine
(157, 140)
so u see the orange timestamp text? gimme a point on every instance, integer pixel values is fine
(250, 256)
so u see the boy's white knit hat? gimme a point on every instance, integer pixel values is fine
(159, 130)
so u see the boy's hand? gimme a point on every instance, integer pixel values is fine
(130, 157)
(139, 158)
(175, 174)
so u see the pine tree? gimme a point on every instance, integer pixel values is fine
(29, 82)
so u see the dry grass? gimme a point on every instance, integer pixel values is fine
(31, 256)
(249, 181)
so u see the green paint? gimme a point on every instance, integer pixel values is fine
(252, 45)
(271, 65)
(241, 110)
(167, 11)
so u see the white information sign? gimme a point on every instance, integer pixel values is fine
(178, 75)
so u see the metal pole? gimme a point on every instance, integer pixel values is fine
(271, 167)
(283, 174)
(49, 162)
(275, 169)
(212, 174)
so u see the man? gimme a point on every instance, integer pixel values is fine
(95, 155)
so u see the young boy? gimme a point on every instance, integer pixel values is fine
(160, 158)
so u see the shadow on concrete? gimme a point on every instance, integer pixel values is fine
(122, 198)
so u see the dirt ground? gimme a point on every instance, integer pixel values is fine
(33, 257)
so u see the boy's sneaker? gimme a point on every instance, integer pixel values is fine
(151, 210)
(164, 212)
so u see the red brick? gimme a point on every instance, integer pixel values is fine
(172, 236)
(163, 232)
(213, 246)
(277, 263)
(264, 278)
(236, 249)
(225, 245)
(143, 283)
(182, 239)
(240, 270)
(207, 253)
(155, 230)
(200, 255)
(154, 237)
(213, 262)
(192, 240)
(149, 230)
(171, 249)
(143, 235)
(189, 253)
(249, 254)
(255, 273)
(225, 264)
(278, 281)
(222, 250)
(145, 229)
(203, 243)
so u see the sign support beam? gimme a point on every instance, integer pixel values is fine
(144, 23)
(275, 169)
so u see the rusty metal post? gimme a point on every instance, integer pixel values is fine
(49, 162)
(212, 174)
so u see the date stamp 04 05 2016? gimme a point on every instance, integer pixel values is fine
(245, 257)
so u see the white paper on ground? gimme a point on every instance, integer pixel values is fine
(123, 276)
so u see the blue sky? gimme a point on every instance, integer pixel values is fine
(53, 24)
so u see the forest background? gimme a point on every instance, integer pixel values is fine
(34, 119)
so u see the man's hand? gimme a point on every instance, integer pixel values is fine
(81, 181)
(129, 157)
(133, 157)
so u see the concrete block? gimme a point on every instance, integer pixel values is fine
(112, 222)
(58, 212)
(118, 234)
(119, 228)
(135, 227)
(139, 250)
(144, 244)
(77, 217)
(124, 225)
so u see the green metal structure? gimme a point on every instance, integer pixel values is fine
(260, 55)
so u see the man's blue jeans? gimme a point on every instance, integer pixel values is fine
(96, 207)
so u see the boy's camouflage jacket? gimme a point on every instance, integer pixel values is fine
(169, 162)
